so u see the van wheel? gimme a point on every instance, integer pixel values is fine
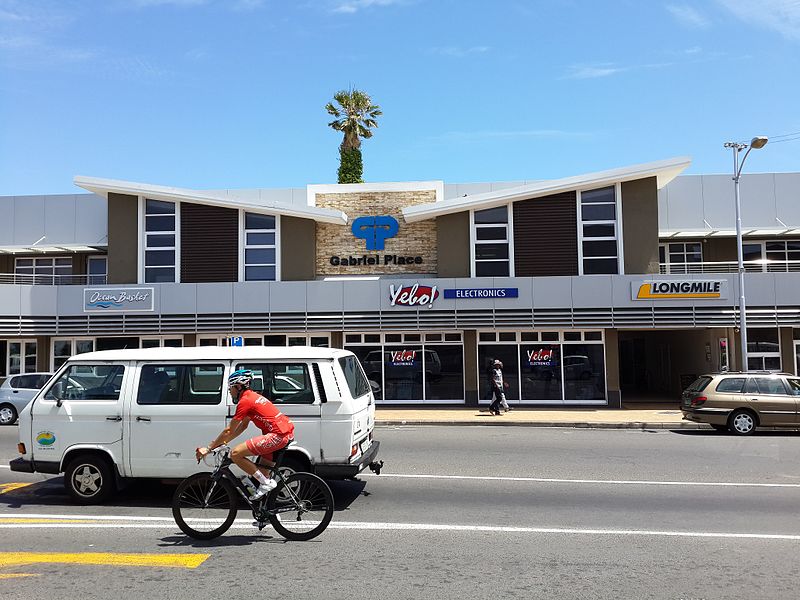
(89, 479)
(742, 422)
(8, 414)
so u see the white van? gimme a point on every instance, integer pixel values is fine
(107, 416)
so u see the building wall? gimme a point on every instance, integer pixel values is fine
(412, 239)
(546, 236)
(612, 368)
(298, 249)
(123, 238)
(452, 245)
(640, 225)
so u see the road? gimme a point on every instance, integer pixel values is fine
(459, 512)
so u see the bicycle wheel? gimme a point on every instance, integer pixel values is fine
(305, 503)
(200, 514)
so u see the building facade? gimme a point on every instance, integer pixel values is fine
(593, 289)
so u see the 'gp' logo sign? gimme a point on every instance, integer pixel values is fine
(375, 230)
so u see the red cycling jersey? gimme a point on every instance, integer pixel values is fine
(263, 413)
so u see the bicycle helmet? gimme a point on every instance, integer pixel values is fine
(242, 377)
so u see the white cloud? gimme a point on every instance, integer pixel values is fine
(688, 15)
(593, 72)
(782, 16)
(457, 52)
(353, 6)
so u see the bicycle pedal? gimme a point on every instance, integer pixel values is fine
(259, 524)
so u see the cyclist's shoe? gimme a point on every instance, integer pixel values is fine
(264, 489)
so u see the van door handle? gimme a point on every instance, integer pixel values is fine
(147, 419)
(114, 418)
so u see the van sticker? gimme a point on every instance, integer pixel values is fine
(46, 438)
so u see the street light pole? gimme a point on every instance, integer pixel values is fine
(757, 143)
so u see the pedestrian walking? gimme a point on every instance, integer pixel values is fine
(498, 386)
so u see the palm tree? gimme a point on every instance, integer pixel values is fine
(354, 116)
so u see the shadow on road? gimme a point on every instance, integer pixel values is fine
(182, 541)
(758, 433)
(145, 493)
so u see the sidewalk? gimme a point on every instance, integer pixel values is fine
(651, 417)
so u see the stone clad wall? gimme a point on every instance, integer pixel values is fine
(412, 239)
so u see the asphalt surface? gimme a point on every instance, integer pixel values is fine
(459, 512)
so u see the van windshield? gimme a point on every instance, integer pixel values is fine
(88, 382)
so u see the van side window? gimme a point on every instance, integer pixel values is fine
(180, 384)
(281, 383)
(358, 384)
(732, 385)
(88, 382)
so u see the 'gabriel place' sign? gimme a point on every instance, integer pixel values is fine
(665, 289)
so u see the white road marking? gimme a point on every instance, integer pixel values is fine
(5, 466)
(133, 522)
(592, 481)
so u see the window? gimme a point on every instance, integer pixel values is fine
(158, 342)
(260, 247)
(180, 384)
(734, 385)
(772, 256)
(794, 386)
(763, 349)
(88, 382)
(97, 269)
(770, 385)
(29, 382)
(356, 381)
(160, 241)
(598, 232)
(491, 242)
(281, 383)
(64, 348)
(682, 257)
(21, 357)
(46, 270)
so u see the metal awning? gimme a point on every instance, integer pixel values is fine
(59, 249)
(718, 233)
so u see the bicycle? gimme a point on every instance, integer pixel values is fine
(205, 504)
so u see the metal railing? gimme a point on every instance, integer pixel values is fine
(19, 279)
(731, 266)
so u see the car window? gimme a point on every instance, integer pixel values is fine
(180, 384)
(281, 383)
(794, 386)
(699, 384)
(27, 382)
(41, 380)
(88, 382)
(751, 387)
(770, 385)
(732, 385)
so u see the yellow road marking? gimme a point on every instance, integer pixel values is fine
(13, 575)
(28, 520)
(185, 561)
(10, 487)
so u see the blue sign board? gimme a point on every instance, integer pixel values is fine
(480, 293)
(236, 341)
(375, 230)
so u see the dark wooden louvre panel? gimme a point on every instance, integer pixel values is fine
(209, 243)
(546, 236)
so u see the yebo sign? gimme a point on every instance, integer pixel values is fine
(412, 295)
(117, 299)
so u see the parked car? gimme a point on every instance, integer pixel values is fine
(741, 402)
(16, 392)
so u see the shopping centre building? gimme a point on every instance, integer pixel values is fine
(595, 289)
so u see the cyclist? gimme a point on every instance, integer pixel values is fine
(277, 428)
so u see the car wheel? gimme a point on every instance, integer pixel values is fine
(89, 479)
(8, 414)
(742, 422)
(719, 428)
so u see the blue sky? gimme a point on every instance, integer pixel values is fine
(230, 93)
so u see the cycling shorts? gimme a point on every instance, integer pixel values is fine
(265, 445)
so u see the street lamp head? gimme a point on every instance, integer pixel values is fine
(759, 142)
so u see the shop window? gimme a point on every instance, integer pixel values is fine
(763, 349)
(354, 338)
(444, 372)
(393, 338)
(507, 336)
(584, 372)
(63, 349)
(540, 371)
(260, 248)
(160, 241)
(180, 384)
(21, 357)
(372, 338)
(506, 354)
(598, 232)
(491, 242)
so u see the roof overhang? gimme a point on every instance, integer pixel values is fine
(54, 249)
(722, 233)
(104, 187)
(664, 171)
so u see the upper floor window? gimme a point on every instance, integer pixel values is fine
(160, 241)
(772, 256)
(97, 268)
(260, 247)
(491, 242)
(46, 270)
(680, 257)
(598, 232)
